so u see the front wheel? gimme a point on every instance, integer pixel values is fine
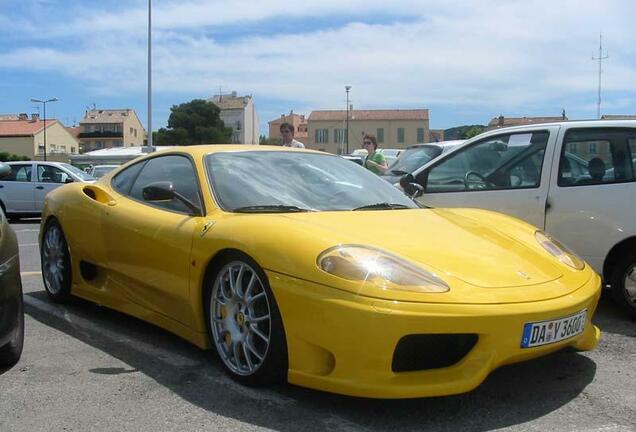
(623, 283)
(244, 323)
(56, 263)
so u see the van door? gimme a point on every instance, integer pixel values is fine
(508, 173)
(593, 192)
(16, 189)
(48, 177)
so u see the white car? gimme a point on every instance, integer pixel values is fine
(22, 192)
(415, 156)
(575, 180)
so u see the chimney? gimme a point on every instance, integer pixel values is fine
(23, 116)
(233, 94)
(500, 120)
(35, 117)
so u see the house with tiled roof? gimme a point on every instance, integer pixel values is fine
(501, 121)
(395, 128)
(298, 121)
(108, 128)
(24, 136)
(238, 113)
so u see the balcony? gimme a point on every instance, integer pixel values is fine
(102, 134)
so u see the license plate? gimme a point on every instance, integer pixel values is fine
(547, 332)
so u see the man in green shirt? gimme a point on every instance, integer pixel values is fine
(375, 162)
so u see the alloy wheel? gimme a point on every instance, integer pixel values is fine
(240, 318)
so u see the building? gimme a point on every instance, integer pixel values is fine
(501, 121)
(397, 128)
(299, 122)
(107, 128)
(618, 117)
(238, 113)
(25, 137)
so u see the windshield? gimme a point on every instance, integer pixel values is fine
(297, 181)
(413, 158)
(78, 172)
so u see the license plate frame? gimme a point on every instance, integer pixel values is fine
(540, 333)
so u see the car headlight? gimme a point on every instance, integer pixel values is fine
(559, 251)
(384, 270)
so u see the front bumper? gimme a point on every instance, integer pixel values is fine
(344, 343)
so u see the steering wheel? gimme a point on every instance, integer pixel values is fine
(474, 180)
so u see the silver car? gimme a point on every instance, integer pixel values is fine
(22, 192)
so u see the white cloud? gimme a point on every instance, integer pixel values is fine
(498, 55)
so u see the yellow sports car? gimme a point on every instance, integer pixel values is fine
(301, 266)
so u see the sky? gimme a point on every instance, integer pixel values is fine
(466, 61)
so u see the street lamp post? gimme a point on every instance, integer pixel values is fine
(347, 88)
(44, 102)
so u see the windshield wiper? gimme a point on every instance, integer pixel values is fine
(271, 208)
(383, 206)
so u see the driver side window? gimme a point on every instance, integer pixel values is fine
(511, 161)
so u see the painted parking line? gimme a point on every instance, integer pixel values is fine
(166, 356)
(26, 230)
(28, 244)
(31, 273)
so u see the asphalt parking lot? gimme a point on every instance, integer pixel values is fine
(86, 368)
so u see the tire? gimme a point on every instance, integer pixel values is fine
(244, 322)
(10, 353)
(56, 263)
(623, 283)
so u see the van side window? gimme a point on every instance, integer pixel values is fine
(511, 161)
(19, 173)
(597, 156)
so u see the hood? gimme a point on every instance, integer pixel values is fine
(445, 242)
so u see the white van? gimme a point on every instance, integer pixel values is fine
(575, 180)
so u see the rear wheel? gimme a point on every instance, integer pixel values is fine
(244, 322)
(623, 283)
(10, 353)
(56, 263)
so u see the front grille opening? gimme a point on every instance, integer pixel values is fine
(431, 351)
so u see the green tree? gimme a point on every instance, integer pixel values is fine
(194, 122)
(263, 140)
(473, 131)
(7, 157)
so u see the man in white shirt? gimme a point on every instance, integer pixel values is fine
(287, 132)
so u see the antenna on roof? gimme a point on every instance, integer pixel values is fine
(600, 59)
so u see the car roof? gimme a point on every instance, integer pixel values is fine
(449, 143)
(204, 150)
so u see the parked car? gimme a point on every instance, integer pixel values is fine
(22, 192)
(299, 265)
(576, 180)
(11, 303)
(98, 171)
(390, 155)
(415, 156)
(354, 158)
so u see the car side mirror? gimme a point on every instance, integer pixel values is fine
(68, 180)
(158, 191)
(411, 187)
(5, 170)
(165, 191)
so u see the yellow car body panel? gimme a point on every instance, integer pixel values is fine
(341, 334)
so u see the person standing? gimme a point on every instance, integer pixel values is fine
(375, 161)
(287, 132)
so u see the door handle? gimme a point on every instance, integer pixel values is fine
(547, 205)
(39, 187)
